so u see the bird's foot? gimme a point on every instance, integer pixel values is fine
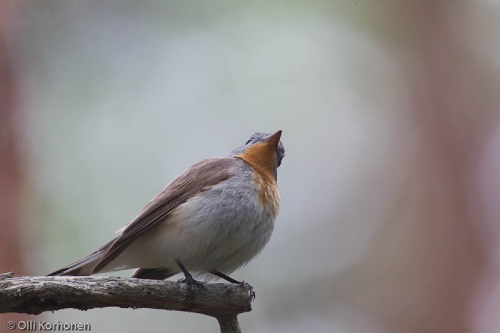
(191, 284)
(189, 281)
(250, 290)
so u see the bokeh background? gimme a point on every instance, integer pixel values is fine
(390, 116)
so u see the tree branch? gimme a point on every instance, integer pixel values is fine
(37, 294)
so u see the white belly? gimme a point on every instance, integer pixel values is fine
(220, 229)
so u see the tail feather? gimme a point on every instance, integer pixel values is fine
(85, 265)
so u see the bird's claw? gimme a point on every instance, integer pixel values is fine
(191, 284)
(250, 290)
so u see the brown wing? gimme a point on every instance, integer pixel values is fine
(192, 181)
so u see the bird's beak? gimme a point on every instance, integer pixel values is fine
(275, 139)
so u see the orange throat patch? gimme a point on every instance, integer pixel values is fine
(262, 157)
(269, 196)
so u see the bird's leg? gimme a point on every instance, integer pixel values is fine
(230, 279)
(189, 280)
(225, 277)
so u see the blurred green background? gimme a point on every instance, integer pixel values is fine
(389, 111)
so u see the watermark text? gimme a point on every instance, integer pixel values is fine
(41, 325)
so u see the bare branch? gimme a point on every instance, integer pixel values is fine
(37, 294)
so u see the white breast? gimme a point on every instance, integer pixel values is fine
(222, 229)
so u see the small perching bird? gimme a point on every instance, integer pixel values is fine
(210, 220)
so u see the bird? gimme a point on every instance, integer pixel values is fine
(208, 221)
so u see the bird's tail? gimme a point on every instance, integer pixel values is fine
(85, 265)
